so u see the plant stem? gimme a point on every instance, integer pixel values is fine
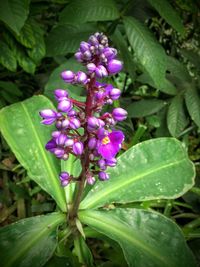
(85, 161)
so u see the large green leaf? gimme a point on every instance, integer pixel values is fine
(169, 14)
(21, 127)
(146, 238)
(29, 242)
(145, 107)
(150, 53)
(14, 13)
(7, 57)
(55, 81)
(176, 117)
(127, 57)
(79, 11)
(65, 39)
(192, 99)
(157, 168)
(26, 36)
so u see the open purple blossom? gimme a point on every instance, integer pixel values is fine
(98, 142)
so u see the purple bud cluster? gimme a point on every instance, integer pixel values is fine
(100, 142)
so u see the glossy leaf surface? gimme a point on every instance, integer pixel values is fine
(150, 54)
(89, 10)
(145, 107)
(21, 127)
(29, 242)
(192, 99)
(146, 238)
(158, 168)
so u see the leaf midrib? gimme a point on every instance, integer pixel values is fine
(124, 233)
(123, 183)
(31, 242)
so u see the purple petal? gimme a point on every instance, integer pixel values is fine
(48, 114)
(48, 121)
(108, 151)
(116, 137)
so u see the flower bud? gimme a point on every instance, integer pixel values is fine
(109, 52)
(114, 66)
(48, 115)
(59, 152)
(79, 56)
(102, 164)
(101, 71)
(93, 123)
(77, 148)
(64, 178)
(91, 67)
(119, 114)
(69, 142)
(74, 123)
(111, 162)
(84, 46)
(90, 179)
(51, 145)
(81, 77)
(65, 124)
(61, 139)
(87, 55)
(55, 134)
(103, 176)
(68, 76)
(59, 93)
(92, 143)
(93, 40)
(114, 93)
(65, 105)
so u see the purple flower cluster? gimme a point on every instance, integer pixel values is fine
(100, 142)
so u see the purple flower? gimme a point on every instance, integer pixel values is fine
(84, 46)
(68, 76)
(59, 152)
(111, 162)
(119, 114)
(60, 94)
(90, 179)
(92, 124)
(109, 145)
(65, 105)
(51, 145)
(79, 56)
(114, 66)
(77, 148)
(101, 71)
(91, 67)
(109, 52)
(102, 164)
(61, 139)
(64, 178)
(103, 176)
(114, 93)
(81, 77)
(92, 143)
(74, 123)
(48, 115)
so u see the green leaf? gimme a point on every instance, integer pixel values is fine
(55, 81)
(39, 50)
(176, 117)
(11, 88)
(82, 251)
(65, 39)
(146, 238)
(21, 127)
(26, 36)
(14, 13)
(145, 107)
(169, 14)
(127, 58)
(150, 54)
(154, 169)
(193, 103)
(29, 242)
(89, 10)
(7, 57)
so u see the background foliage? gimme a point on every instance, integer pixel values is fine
(158, 42)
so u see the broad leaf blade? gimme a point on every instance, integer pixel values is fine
(79, 11)
(146, 238)
(176, 117)
(21, 127)
(60, 43)
(154, 169)
(29, 242)
(14, 13)
(7, 57)
(169, 14)
(150, 54)
(145, 107)
(192, 99)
